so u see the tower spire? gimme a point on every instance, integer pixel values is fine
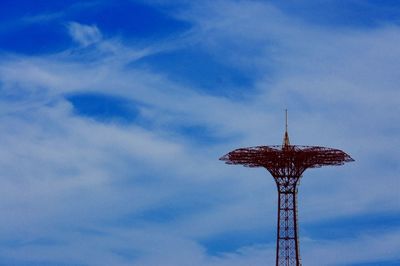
(286, 141)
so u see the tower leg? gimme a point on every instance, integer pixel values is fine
(287, 252)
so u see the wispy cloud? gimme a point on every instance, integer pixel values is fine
(80, 191)
(84, 34)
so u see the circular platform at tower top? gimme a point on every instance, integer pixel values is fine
(276, 156)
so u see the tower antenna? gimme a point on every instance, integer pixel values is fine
(286, 120)
(286, 142)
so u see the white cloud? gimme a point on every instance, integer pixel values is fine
(62, 173)
(375, 247)
(84, 34)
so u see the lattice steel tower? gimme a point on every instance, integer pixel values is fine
(286, 163)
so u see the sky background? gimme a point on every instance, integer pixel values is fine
(113, 115)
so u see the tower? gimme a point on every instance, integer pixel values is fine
(286, 163)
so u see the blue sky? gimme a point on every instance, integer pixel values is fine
(113, 115)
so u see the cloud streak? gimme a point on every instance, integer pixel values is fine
(83, 34)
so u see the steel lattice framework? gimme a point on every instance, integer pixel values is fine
(286, 163)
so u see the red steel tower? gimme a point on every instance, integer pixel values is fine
(286, 163)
